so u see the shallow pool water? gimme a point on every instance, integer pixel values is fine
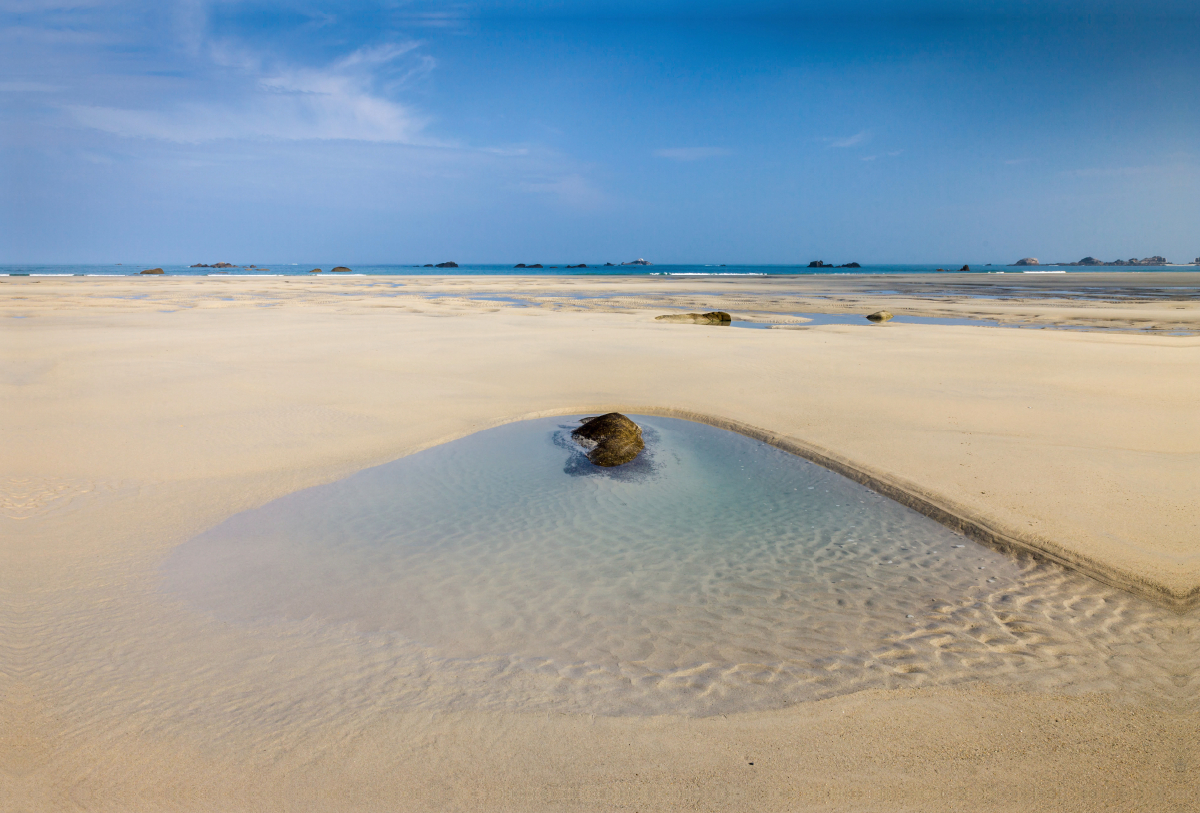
(713, 574)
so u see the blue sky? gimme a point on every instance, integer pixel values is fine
(515, 130)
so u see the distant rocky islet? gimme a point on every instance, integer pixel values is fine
(1156, 260)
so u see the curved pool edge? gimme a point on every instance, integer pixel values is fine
(950, 513)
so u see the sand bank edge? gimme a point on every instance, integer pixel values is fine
(937, 507)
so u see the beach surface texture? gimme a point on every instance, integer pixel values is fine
(139, 412)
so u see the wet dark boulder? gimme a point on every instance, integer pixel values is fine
(710, 318)
(611, 440)
(880, 316)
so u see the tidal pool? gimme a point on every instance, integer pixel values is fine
(713, 574)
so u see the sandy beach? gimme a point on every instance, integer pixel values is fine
(141, 411)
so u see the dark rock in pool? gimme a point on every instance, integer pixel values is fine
(447, 265)
(612, 439)
(710, 318)
(341, 269)
(153, 271)
(880, 316)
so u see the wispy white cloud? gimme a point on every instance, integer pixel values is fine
(692, 153)
(336, 102)
(860, 137)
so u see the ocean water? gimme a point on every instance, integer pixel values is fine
(714, 574)
(302, 269)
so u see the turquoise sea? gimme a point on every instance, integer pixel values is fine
(552, 269)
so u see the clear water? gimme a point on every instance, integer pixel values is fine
(714, 574)
(467, 269)
(816, 319)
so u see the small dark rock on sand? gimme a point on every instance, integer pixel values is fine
(880, 316)
(153, 271)
(612, 439)
(710, 318)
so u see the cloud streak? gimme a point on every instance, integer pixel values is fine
(860, 137)
(333, 103)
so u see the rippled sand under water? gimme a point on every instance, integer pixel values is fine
(714, 574)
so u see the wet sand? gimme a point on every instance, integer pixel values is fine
(143, 411)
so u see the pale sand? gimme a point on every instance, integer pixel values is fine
(127, 430)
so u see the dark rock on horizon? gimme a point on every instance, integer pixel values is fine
(341, 269)
(1027, 261)
(880, 316)
(315, 271)
(710, 318)
(638, 261)
(519, 265)
(153, 271)
(612, 439)
(849, 265)
(427, 265)
(447, 265)
(965, 268)
(535, 265)
(819, 264)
